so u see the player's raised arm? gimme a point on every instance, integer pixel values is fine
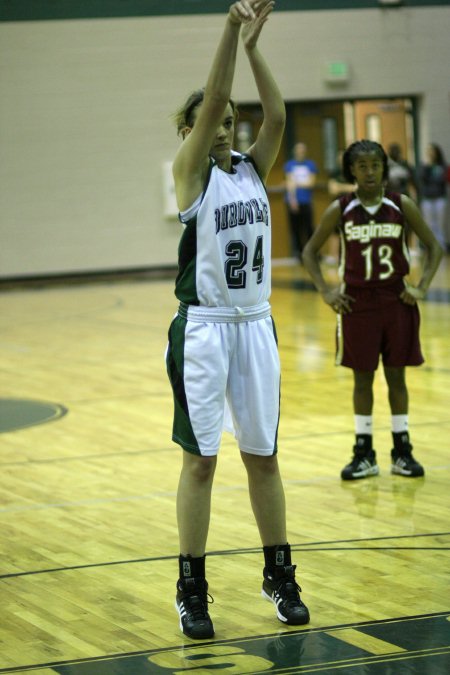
(191, 162)
(265, 149)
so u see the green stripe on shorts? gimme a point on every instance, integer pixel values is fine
(182, 433)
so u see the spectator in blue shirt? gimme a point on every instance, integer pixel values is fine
(300, 174)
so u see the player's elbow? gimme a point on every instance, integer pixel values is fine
(308, 252)
(278, 118)
(439, 251)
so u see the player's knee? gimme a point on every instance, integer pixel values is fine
(395, 378)
(363, 381)
(201, 469)
(264, 465)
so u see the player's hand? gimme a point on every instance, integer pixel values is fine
(242, 11)
(341, 303)
(411, 294)
(252, 29)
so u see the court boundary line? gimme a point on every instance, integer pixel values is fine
(310, 547)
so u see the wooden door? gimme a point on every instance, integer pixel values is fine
(321, 125)
(386, 121)
(250, 119)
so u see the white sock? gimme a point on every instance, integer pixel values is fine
(399, 423)
(363, 424)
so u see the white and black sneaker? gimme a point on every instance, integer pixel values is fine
(282, 589)
(192, 606)
(404, 464)
(363, 464)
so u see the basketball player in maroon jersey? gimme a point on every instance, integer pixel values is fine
(377, 312)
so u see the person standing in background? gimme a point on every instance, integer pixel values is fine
(300, 179)
(401, 175)
(401, 178)
(433, 191)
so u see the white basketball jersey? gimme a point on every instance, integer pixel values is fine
(224, 252)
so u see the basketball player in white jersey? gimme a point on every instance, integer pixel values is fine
(222, 352)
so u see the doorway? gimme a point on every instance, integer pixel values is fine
(327, 127)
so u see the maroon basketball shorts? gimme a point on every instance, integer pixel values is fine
(380, 324)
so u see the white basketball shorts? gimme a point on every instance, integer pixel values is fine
(218, 358)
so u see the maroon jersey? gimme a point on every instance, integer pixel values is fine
(374, 250)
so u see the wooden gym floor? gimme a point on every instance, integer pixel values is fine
(89, 476)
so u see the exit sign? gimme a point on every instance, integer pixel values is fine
(336, 72)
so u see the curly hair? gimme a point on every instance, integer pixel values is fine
(362, 147)
(184, 117)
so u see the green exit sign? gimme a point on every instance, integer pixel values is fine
(337, 72)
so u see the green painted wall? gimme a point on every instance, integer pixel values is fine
(40, 10)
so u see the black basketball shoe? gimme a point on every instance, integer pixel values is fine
(282, 589)
(192, 606)
(363, 464)
(404, 464)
